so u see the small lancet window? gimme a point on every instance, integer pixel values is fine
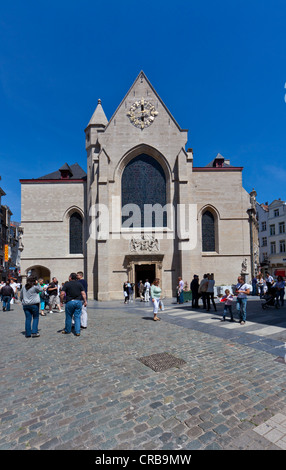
(76, 233)
(208, 231)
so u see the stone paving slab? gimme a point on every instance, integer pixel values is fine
(62, 392)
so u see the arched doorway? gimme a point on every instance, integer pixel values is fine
(41, 272)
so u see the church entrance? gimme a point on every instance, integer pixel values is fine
(143, 272)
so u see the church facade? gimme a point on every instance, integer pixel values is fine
(142, 210)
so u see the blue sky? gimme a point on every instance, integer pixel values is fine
(219, 66)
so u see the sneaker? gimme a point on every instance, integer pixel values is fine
(50, 311)
(35, 335)
(61, 310)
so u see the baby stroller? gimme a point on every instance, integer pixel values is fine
(269, 299)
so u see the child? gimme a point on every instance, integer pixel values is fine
(227, 298)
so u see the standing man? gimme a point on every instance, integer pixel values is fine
(242, 291)
(53, 292)
(269, 281)
(203, 289)
(7, 294)
(195, 291)
(210, 292)
(13, 284)
(83, 317)
(147, 291)
(141, 290)
(73, 292)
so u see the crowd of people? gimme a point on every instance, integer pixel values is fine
(144, 291)
(38, 297)
(261, 285)
(204, 289)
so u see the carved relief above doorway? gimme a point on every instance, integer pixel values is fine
(144, 243)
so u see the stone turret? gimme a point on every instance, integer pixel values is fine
(97, 124)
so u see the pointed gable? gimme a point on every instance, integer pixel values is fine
(142, 89)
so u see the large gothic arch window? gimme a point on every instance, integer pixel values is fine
(143, 183)
(208, 231)
(76, 233)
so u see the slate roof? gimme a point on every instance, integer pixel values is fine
(76, 173)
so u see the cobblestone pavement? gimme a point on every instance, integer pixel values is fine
(91, 392)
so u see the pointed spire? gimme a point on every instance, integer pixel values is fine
(98, 118)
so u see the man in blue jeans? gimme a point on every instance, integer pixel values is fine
(73, 293)
(7, 294)
(242, 291)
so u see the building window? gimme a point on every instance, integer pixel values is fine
(282, 227)
(264, 256)
(273, 248)
(282, 246)
(276, 212)
(264, 241)
(76, 229)
(208, 231)
(272, 229)
(263, 226)
(143, 183)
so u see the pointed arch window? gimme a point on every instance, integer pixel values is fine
(144, 183)
(208, 231)
(76, 233)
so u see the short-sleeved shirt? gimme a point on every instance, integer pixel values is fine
(181, 285)
(243, 287)
(84, 284)
(54, 290)
(73, 290)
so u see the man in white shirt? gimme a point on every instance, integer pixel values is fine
(242, 291)
(269, 281)
(15, 289)
(147, 291)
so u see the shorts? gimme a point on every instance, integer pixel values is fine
(54, 299)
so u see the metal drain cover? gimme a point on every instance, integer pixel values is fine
(162, 361)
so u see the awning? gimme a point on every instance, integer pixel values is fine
(280, 272)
